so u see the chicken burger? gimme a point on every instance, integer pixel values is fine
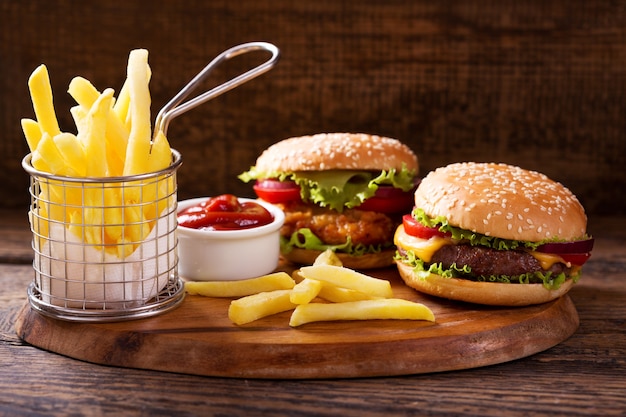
(340, 191)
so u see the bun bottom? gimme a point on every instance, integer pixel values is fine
(368, 261)
(488, 293)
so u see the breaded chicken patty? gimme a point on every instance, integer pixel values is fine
(363, 227)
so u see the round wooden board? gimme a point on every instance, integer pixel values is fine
(198, 338)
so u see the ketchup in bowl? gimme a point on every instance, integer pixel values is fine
(224, 212)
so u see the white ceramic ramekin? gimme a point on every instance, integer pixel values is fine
(227, 255)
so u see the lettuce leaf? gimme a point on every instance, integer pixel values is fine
(338, 189)
(305, 239)
(477, 239)
(473, 238)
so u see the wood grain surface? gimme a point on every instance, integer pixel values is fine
(581, 376)
(198, 338)
(534, 83)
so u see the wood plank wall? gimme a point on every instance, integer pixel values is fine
(541, 84)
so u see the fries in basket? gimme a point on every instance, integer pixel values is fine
(113, 139)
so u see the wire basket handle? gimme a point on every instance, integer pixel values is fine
(174, 107)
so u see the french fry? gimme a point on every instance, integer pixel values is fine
(38, 162)
(59, 202)
(136, 225)
(83, 92)
(49, 153)
(240, 288)
(122, 105)
(328, 257)
(79, 114)
(41, 96)
(93, 230)
(253, 307)
(305, 291)
(391, 308)
(116, 133)
(72, 151)
(139, 139)
(348, 278)
(93, 137)
(328, 291)
(160, 153)
(32, 133)
(112, 215)
(160, 158)
(332, 293)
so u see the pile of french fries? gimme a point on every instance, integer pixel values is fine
(113, 139)
(324, 291)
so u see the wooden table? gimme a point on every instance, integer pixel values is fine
(584, 375)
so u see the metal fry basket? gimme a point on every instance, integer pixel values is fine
(105, 249)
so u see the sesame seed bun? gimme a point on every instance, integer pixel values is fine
(502, 201)
(326, 151)
(487, 293)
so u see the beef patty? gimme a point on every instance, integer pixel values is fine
(489, 262)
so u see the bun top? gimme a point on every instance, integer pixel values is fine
(502, 201)
(326, 151)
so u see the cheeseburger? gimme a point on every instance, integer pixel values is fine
(340, 191)
(492, 234)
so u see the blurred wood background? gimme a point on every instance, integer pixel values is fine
(540, 84)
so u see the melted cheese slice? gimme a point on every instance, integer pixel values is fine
(423, 248)
(548, 259)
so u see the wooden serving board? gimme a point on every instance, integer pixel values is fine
(198, 338)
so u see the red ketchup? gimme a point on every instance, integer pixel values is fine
(224, 212)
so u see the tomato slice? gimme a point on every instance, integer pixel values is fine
(575, 258)
(389, 199)
(576, 252)
(274, 191)
(417, 229)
